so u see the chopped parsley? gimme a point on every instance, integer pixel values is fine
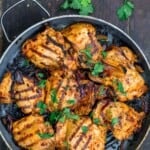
(126, 10)
(96, 121)
(71, 101)
(25, 63)
(98, 68)
(120, 87)
(84, 7)
(84, 129)
(104, 54)
(53, 95)
(45, 135)
(42, 83)
(42, 106)
(62, 115)
(114, 121)
(87, 52)
(40, 75)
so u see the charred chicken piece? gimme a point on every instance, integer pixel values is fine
(127, 85)
(80, 135)
(120, 56)
(46, 50)
(65, 90)
(82, 37)
(33, 133)
(5, 88)
(120, 118)
(27, 95)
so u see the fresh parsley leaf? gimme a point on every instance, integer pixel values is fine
(54, 117)
(42, 83)
(42, 106)
(66, 144)
(120, 87)
(101, 90)
(40, 75)
(91, 115)
(104, 54)
(126, 10)
(96, 121)
(114, 121)
(98, 68)
(84, 129)
(45, 135)
(71, 101)
(25, 63)
(62, 119)
(54, 96)
(84, 7)
(65, 5)
(87, 52)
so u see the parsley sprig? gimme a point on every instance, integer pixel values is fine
(85, 7)
(126, 10)
(114, 121)
(84, 129)
(98, 68)
(42, 106)
(45, 135)
(53, 95)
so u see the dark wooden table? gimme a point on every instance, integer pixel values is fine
(138, 26)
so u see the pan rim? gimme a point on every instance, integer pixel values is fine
(81, 17)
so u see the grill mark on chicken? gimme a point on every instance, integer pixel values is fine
(24, 90)
(87, 143)
(63, 94)
(77, 129)
(28, 98)
(80, 138)
(48, 48)
(49, 39)
(42, 55)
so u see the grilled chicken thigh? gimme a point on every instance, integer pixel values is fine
(5, 88)
(120, 56)
(46, 50)
(80, 135)
(65, 90)
(82, 37)
(120, 118)
(32, 133)
(27, 95)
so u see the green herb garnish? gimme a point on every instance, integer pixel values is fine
(126, 10)
(66, 144)
(96, 121)
(45, 135)
(42, 106)
(54, 117)
(71, 101)
(98, 68)
(120, 87)
(25, 63)
(104, 54)
(84, 129)
(114, 121)
(42, 83)
(54, 96)
(40, 75)
(84, 7)
(87, 52)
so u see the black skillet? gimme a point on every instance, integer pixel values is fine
(119, 37)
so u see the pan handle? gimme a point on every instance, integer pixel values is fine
(13, 6)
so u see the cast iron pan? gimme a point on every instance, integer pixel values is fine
(119, 38)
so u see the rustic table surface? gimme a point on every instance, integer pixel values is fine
(138, 26)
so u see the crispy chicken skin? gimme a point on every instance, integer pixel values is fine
(27, 131)
(46, 50)
(27, 95)
(128, 120)
(66, 87)
(82, 37)
(75, 137)
(5, 88)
